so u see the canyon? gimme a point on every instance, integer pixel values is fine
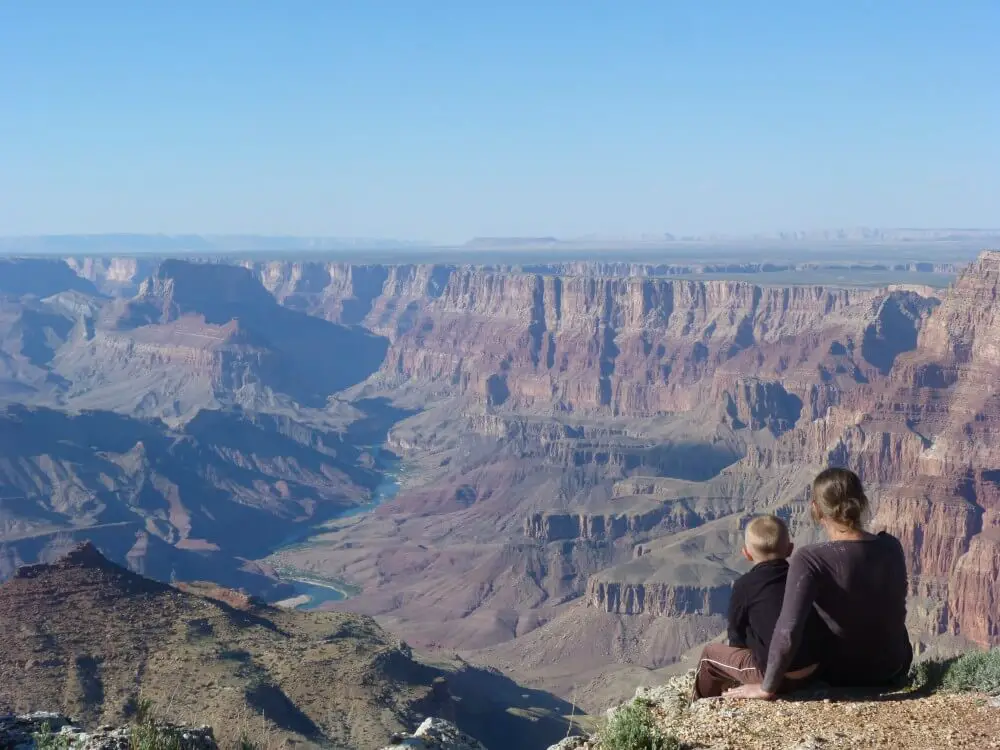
(580, 442)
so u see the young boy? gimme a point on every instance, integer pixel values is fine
(753, 612)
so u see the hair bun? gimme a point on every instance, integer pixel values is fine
(840, 496)
(851, 510)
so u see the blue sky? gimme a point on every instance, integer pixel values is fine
(445, 119)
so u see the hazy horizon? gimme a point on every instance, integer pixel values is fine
(446, 121)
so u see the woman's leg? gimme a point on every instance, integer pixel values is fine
(722, 667)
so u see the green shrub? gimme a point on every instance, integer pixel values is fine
(927, 676)
(973, 672)
(977, 671)
(633, 727)
(46, 739)
(147, 734)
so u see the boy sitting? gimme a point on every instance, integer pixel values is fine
(753, 612)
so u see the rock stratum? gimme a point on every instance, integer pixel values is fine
(580, 442)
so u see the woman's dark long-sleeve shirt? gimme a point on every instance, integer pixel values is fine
(859, 590)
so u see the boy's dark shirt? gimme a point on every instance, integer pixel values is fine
(753, 612)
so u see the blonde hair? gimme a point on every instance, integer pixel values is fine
(767, 536)
(839, 495)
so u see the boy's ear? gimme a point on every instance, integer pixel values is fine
(746, 553)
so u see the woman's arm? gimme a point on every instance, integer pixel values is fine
(800, 593)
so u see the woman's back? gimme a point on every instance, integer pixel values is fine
(859, 589)
(857, 584)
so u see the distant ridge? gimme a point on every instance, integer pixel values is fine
(226, 244)
(492, 242)
(164, 244)
(854, 235)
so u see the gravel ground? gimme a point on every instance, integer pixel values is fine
(930, 723)
(936, 722)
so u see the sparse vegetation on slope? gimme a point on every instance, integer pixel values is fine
(318, 678)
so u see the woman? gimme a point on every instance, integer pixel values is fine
(857, 583)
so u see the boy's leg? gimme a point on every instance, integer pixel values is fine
(722, 667)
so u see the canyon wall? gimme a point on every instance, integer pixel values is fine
(897, 385)
(578, 337)
(610, 338)
(923, 437)
(660, 599)
(572, 365)
(660, 517)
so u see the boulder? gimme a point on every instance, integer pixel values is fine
(436, 734)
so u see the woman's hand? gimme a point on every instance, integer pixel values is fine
(749, 692)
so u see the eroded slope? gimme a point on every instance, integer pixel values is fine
(89, 638)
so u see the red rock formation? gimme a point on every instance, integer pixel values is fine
(629, 346)
(973, 601)
(919, 426)
(878, 380)
(660, 517)
(897, 384)
(940, 418)
(658, 598)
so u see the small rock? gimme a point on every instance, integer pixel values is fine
(809, 744)
(437, 734)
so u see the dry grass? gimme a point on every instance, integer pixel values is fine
(252, 731)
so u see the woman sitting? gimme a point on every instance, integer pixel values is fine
(857, 583)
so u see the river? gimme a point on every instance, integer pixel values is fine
(310, 593)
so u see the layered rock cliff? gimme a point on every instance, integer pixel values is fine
(625, 346)
(620, 338)
(923, 440)
(680, 587)
(660, 599)
(915, 418)
(199, 335)
(949, 505)
(660, 518)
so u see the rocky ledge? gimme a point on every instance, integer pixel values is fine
(820, 720)
(52, 731)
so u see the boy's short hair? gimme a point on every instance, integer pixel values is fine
(767, 535)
